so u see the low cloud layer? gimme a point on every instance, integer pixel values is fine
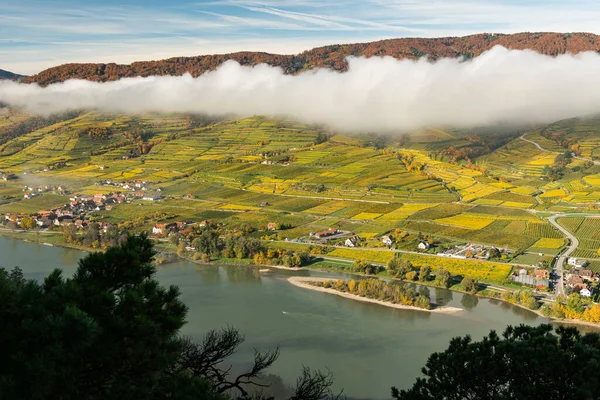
(376, 94)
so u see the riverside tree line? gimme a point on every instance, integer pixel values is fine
(380, 290)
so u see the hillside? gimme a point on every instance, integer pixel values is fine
(10, 75)
(333, 56)
(258, 170)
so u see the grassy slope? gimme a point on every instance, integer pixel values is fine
(221, 165)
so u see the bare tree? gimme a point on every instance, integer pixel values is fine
(314, 385)
(208, 360)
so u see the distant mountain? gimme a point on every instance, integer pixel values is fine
(333, 56)
(10, 75)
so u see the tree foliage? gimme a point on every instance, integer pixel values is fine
(470, 285)
(392, 292)
(524, 363)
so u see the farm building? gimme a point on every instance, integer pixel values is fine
(536, 280)
(424, 245)
(576, 262)
(158, 229)
(352, 241)
(328, 233)
(152, 197)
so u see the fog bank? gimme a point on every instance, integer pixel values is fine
(376, 94)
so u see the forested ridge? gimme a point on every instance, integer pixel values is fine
(10, 75)
(333, 56)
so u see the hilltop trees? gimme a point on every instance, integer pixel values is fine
(334, 56)
(524, 363)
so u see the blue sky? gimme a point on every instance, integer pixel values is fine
(37, 34)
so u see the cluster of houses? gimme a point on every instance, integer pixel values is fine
(126, 185)
(540, 278)
(78, 209)
(580, 279)
(468, 250)
(30, 192)
(139, 189)
(58, 165)
(45, 219)
(183, 227)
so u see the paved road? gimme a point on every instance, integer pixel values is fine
(560, 289)
(522, 137)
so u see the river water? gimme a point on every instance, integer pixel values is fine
(368, 347)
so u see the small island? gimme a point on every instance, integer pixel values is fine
(373, 291)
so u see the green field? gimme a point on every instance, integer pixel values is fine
(313, 179)
(587, 231)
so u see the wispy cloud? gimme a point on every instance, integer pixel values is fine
(333, 22)
(255, 22)
(37, 34)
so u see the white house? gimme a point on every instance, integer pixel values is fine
(158, 229)
(572, 261)
(387, 240)
(352, 241)
(424, 245)
(586, 292)
(152, 197)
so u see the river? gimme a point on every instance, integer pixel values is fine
(368, 347)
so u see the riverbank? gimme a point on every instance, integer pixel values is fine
(302, 282)
(42, 239)
(564, 321)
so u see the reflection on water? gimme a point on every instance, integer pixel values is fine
(469, 301)
(443, 296)
(70, 257)
(241, 274)
(209, 275)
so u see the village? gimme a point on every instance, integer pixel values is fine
(577, 279)
(80, 208)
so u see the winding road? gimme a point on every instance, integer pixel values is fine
(560, 262)
(522, 137)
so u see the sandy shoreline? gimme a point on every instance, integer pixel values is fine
(302, 282)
